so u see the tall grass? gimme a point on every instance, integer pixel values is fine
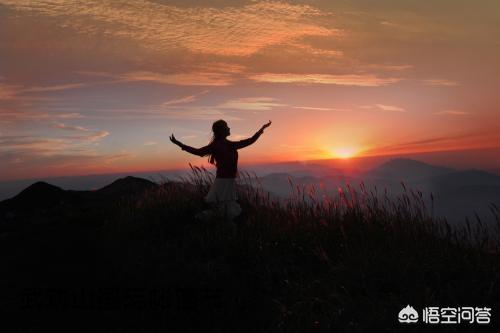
(314, 262)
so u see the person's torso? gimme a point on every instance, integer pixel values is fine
(226, 159)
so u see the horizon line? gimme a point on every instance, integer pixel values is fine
(354, 158)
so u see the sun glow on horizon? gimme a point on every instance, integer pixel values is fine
(344, 152)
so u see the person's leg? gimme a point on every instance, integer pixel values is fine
(233, 209)
(209, 211)
(226, 210)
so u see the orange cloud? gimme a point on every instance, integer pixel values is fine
(440, 82)
(182, 79)
(227, 31)
(10, 115)
(445, 143)
(362, 80)
(251, 104)
(32, 145)
(89, 135)
(184, 100)
(54, 87)
(206, 74)
(452, 113)
(390, 108)
(313, 108)
(18, 92)
(8, 91)
(32, 155)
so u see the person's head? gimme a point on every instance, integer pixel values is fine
(220, 130)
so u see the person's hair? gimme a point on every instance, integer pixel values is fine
(218, 129)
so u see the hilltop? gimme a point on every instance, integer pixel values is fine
(349, 264)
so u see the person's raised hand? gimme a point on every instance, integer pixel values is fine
(174, 140)
(266, 125)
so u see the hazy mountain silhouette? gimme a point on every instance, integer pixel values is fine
(457, 193)
(37, 195)
(42, 203)
(127, 185)
(461, 179)
(401, 169)
(41, 196)
(10, 188)
(283, 184)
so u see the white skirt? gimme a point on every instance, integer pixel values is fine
(223, 193)
(223, 189)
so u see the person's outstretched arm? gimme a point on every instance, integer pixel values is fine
(247, 142)
(203, 151)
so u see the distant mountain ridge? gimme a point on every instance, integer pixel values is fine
(401, 169)
(458, 192)
(37, 195)
(44, 200)
(467, 178)
(128, 184)
(40, 191)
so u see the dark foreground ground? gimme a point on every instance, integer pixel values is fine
(132, 258)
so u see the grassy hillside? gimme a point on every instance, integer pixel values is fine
(348, 263)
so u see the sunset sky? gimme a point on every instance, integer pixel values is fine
(98, 86)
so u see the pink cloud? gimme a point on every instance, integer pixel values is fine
(227, 31)
(361, 80)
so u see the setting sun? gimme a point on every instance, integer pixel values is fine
(344, 152)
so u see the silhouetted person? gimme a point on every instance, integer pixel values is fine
(225, 155)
